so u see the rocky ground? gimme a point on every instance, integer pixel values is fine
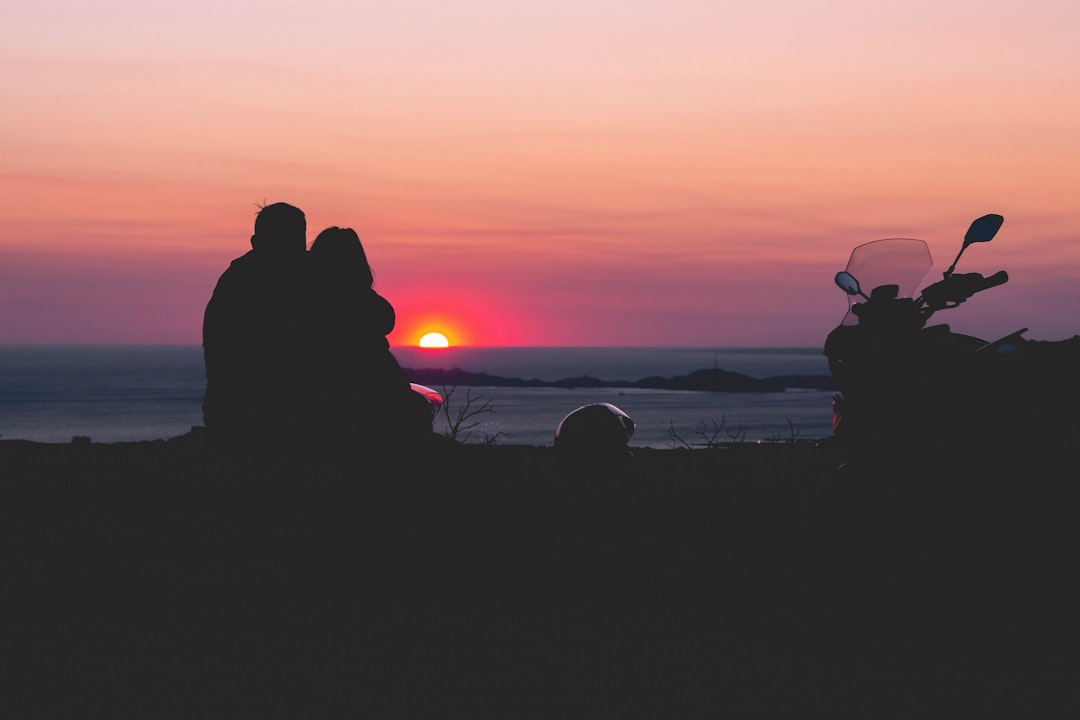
(175, 579)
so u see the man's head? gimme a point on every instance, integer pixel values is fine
(280, 230)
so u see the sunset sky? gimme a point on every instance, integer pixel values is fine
(563, 172)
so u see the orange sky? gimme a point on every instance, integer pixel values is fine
(563, 173)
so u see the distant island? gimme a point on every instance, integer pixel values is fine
(713, 380)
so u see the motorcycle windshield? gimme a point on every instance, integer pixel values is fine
(895, 261)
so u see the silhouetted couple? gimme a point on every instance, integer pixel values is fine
(295, 343)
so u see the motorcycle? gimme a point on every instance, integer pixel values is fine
(904, 384)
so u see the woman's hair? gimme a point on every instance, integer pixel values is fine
(341, 249)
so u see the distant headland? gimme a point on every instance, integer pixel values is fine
(713, 380)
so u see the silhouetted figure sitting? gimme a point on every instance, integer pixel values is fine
(255, 335)
(359, 392)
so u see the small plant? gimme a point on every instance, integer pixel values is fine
(793, 434)
(461, 423)
(738, 435)
(710, 434)
(491, 434)
(674, 439)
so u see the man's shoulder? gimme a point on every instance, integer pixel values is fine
(244, 266)
(236, 275)
(255, 262)
(245, 261)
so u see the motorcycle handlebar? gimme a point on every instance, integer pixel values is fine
(999, 278)
(955, 289)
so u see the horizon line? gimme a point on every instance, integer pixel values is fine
(713, 348)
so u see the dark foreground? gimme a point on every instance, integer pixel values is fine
(166, 580)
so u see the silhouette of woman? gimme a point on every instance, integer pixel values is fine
(359, 391)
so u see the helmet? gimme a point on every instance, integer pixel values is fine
(595, 428)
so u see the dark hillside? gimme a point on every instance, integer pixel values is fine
(173, 580)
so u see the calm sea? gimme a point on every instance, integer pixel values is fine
(130, 393)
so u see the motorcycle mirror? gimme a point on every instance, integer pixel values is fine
(982, 230)
(847, 282)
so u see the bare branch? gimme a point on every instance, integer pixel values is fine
(674, 439)
(793, 432)
(460, 425)
(710, 434)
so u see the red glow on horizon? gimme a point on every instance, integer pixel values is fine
(414, 329)
(466, 319)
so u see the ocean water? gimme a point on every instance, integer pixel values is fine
(133, 393)
(107, 393)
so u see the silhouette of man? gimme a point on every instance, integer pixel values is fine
(254, 333)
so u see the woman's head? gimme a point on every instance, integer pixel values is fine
(340, 249)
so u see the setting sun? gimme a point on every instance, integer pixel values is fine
(434, 340)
